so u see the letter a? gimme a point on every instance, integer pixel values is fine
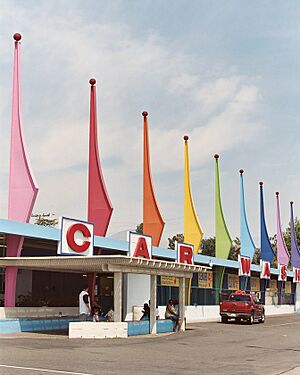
(141, 249)
(266, 271)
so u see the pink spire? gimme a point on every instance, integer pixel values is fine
(22, 186)
(282, 251)
(99, 205)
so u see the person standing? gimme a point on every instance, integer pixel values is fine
(84, 304)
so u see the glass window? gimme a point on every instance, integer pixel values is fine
(239, 298)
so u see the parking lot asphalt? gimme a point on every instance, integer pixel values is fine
(205, 348)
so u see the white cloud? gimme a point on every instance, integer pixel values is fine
(231, 127)
(214, 94)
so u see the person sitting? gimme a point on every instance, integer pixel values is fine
(171, 314)
(110, 315)
(96, 314)
(146, 312)
(156, 313)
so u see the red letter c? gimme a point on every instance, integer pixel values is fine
(71, 240)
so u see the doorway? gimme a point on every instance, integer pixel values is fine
(105, 291)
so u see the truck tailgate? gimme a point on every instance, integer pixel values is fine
(235, 307)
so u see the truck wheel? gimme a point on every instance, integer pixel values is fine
(262, 318)
(224, 319)
(251, 319)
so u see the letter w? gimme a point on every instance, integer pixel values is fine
(245, 266)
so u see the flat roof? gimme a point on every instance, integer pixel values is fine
(103, 263)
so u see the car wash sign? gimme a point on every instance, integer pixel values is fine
(265, 269)
(245, 265)
(77, 237)
(296, 272)
(185, 253)
(282, 272)
(140, 246)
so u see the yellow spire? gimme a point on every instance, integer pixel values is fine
(192, 230)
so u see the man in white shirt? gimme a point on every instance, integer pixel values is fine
(84, 304)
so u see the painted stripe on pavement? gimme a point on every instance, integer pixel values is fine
(46, 370)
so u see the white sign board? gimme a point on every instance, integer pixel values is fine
(245, 266)
(77, 238)
(296, 272)
(140, 245)
(282, 272)
(185, 253)
(265, 269)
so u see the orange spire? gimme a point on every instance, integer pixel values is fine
(153, 223)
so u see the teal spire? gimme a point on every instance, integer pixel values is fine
(247, 243)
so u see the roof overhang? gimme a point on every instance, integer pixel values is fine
(103, 263)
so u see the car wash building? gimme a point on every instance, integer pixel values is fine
(43, 269)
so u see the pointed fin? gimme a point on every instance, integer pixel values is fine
(247, 243)
(193, 232)
(295, 253)
(99, 205)
(153, 224)
(283, 255)
(23, 189)
(266, 250)
(223, 238)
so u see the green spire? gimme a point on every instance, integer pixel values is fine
(223, 239)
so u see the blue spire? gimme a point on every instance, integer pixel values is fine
(266, 250)
(295, 253)
(247, 243)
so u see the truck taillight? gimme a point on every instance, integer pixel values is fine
(246, 304)
(221, 303)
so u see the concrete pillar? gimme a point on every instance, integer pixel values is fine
(153, 289)
(117, 296)
(182, 302)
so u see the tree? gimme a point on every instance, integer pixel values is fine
(273, 241)
(139, 228)
(256, 256)
(235, 249)
(208, 246)
(45, 220)
(287, 233)
(178, 237)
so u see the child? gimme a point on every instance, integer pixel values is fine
(96, 314)
(110, 315)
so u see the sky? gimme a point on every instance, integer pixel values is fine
(226, 73)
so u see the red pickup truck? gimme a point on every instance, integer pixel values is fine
(242, 306)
